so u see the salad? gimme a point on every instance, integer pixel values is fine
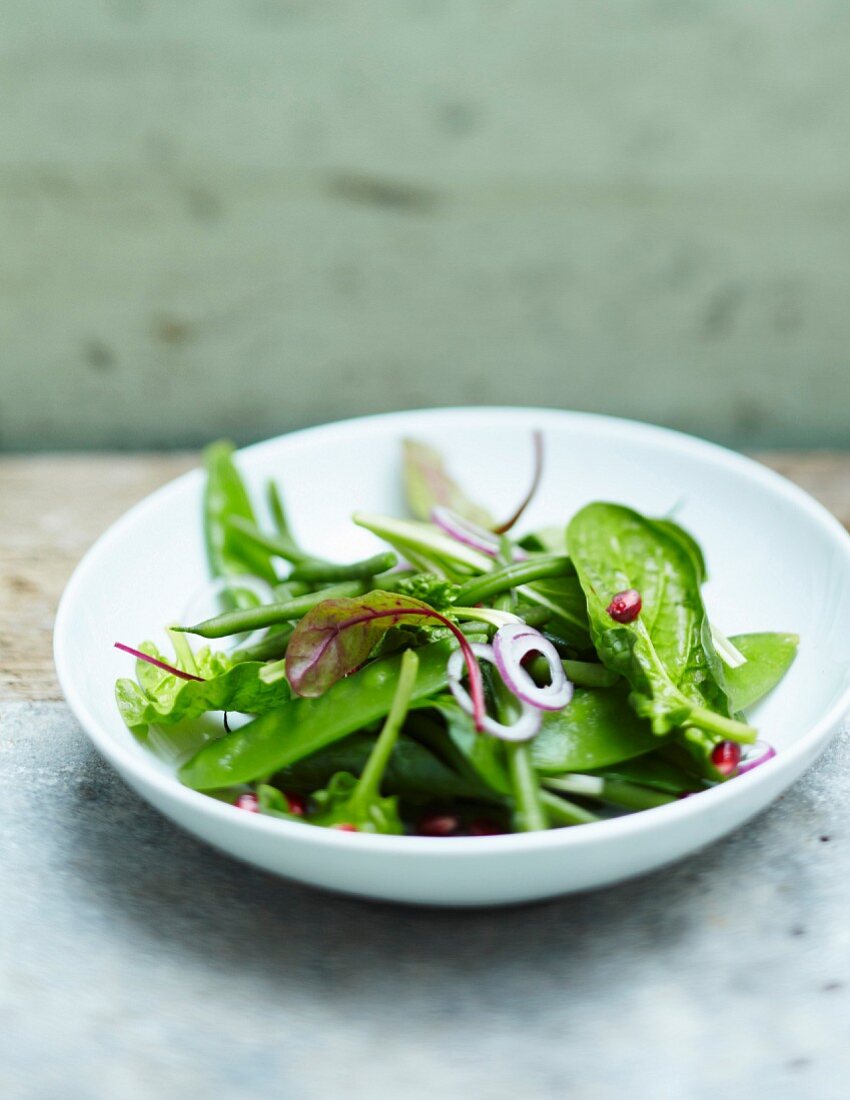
(465, 681)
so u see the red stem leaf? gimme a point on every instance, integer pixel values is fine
(137, 653)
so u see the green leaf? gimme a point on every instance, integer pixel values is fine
(596, 729)
(301, 727)
(336, 805)
(247, 688)
(666, 653)
(435, 591)
(226, 497)
(427, 484)
(769, 656)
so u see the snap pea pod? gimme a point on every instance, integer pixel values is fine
(254, 618)
(316, 572)
(769, 656)
(225, 500)
(304, 726)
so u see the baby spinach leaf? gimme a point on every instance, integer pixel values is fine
(427, 484)
(598, 728)
(666, 653)
(769, 656)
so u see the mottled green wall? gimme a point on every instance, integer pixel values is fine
(239, 217)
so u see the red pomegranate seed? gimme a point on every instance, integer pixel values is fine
(345, 827)
(248, 802)
(437, 824)
(483, 826)
(726, 756)
(625, 607)
(297, 804)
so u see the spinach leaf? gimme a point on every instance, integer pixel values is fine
(769, 656)
(666, 653)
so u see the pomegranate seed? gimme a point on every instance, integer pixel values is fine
(297, 804)
(248, 802)
(345, 827)
(726, 756)
(625, 607)
(438, 824)
(483, 826)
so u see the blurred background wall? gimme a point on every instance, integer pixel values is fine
(243, 216)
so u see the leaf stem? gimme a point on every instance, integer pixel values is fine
(369, 784)
(529, 813)
(183, 651)
(563, 812)
(729, 728)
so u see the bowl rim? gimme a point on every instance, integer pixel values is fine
(142, 772)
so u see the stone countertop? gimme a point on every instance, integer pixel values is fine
(137, 962)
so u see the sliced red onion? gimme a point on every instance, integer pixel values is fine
(512, 643)
(761, 753)
(525, 727)
(469, 534)
(204, 603)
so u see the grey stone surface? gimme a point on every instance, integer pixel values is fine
(138, 963)
(250, 216)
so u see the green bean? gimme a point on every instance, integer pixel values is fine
(630, 796)
(280, 546)
(270, 648)
(563, 812)
(254, 618)
(328, 571)
(492, 584)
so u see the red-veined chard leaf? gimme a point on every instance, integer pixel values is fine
(337, 637)
(427, 484)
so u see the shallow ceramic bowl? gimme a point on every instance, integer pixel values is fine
(777, 559)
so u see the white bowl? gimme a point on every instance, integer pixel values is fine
(778, 561)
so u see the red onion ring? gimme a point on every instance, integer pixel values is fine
(512, 643)
(765, 752)
(469, 534)
(525, 727)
